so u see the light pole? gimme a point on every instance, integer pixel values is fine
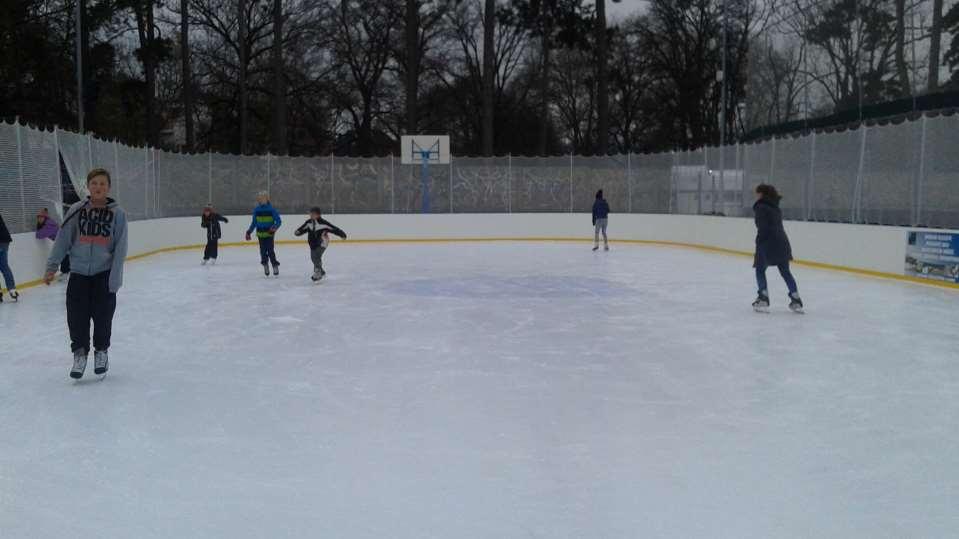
(722, 115)
(80, 64)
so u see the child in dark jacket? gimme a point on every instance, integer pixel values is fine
(5, 240)
(600, 220)
(94, 234)
(266, 221)
(772, 247)
(318, 232)
(210, 220)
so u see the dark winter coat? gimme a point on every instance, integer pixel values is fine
(772, 244)
(4, 233)
(212, 225)
(600, 209)
(318, 232)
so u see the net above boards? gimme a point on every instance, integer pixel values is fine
(905, 174)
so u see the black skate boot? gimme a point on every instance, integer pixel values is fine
(761, 305)
(266, 270)
(596, 247)
(79, 364)
(795, 303)
(276, 269)
(101, 362)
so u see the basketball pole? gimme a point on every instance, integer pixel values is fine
(425, 179)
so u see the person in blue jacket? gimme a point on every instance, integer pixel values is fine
(600, 220)
(772, 247)
(266, 221)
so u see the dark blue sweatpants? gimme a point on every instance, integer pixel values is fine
(267, 253)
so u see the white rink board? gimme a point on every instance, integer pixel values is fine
(865, 247)
(507, 390)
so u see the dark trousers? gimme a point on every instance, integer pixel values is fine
(89, 298)
(316, 255)
(267, 253)
(783, 270)
(211, 249)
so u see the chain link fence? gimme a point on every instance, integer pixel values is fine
(905, 174)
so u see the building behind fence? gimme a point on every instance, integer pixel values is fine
(905, 174)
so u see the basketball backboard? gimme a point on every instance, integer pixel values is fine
(433, 149)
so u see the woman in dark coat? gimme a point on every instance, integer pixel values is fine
(772, 247)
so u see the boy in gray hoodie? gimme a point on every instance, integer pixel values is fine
(94, 235)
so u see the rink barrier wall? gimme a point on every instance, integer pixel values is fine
(868, 250)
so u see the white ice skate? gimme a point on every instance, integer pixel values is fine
(101, 362)
(79, 364)
(203, 263)
(14, 296)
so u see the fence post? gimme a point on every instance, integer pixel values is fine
(332, 188)
(89, 152)
(269, 175)
(811, 179)
(392, 185)
(629, 184)
(146, 183)
(156, 185)
(772, 164)
(570, 182)
(857, 190)
(451, 183)
(509, 183)
(672, 179)
(23, 199)
(116, 167)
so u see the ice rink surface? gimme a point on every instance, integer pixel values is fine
(496, 390)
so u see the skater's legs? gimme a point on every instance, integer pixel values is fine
(266, 244)
(596, 234)
(79, 293)
(104, 304)
(270, 251)
(210, 250)
(761, 278)
(605, 238)
(215, 248)
(5, 267)
(316, 255)
(788, 277)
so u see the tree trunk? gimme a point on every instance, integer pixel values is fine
(279, 82)
(89, 84)
(935, 44)
(902, 70)
(489, 77)
(412, 64)
(544, 117)
(602, 81)
(241, 43)
(146, 31)
(187, 74)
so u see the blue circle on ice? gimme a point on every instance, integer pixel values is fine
(504, 287)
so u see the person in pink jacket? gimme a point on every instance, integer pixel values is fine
(47, 228)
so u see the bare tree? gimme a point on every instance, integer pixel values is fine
(489, 76)
(146, 30)
(902, 69)
(279, 82)
(187, 74)
(935, 46)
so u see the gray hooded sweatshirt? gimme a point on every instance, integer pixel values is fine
(95, 239)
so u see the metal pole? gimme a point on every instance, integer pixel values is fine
(451, 183)
(23, 199)
(811, 180)
(425, 182)
(146, 183)
(509, 183)
(571, 182)
(392, 185)
(209, 177)
(116, 168)
(722, 118)
(269, 175)
(672, 180)
(772, 163)
(332, 188)
(79, 54)
(857, 191)
(59, 177)
(920, 181)
(629, 185)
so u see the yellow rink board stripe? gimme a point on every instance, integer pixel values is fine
(806, 263)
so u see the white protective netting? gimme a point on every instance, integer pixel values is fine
(895, 174)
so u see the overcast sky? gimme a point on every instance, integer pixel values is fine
(624, 8)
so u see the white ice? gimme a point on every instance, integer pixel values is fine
(501, 390)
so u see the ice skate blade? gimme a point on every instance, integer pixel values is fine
(799, 310)
(763, 310)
